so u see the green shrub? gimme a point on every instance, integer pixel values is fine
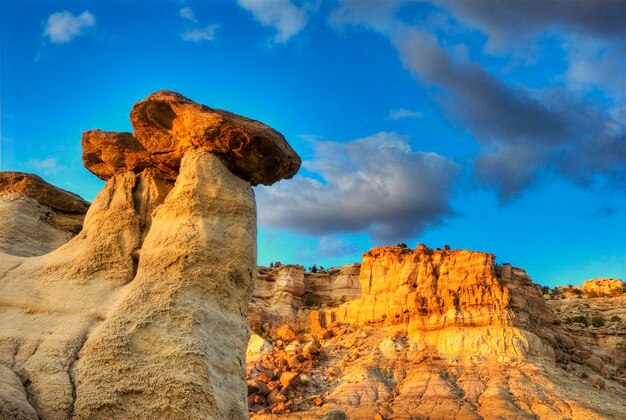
(616, 318)
(581, 319)
(597, 321)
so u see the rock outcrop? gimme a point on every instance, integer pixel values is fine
(596, 322)
(434, 334)
(281, 293)
(167, 125)
(604, 287)
(36, 217)
(143, 313)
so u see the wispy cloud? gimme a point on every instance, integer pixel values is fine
(200, 34)
(393, 196)
(398, 114)
(282, 15)
(45, 166)
(63, 26)
(336, 247)
(187, 13)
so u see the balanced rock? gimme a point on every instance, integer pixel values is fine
(143, 313)
(37, 217)
(167, 125)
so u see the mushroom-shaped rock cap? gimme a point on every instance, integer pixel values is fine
(168, 124)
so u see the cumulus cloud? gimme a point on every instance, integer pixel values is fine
(512, 21)
(200, 34)
(398, 114)
(63, 26)
(592, 33)
(524, 132)
(375, 184)
(282, 15)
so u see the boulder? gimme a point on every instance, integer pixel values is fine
(167, 124)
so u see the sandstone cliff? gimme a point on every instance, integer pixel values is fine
(143, 313)
(36, 217)
(434, 334)
(280, 294)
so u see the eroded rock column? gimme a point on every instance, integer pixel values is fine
(176, 343)
(143, 313)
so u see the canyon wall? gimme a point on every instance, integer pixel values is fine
(433, 334)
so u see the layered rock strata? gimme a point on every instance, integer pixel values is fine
(434, 334)
(280, 294)
(143, 313)
(36, 217)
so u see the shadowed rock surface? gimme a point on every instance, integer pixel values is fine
(37, 217)
(167, 124)
(143, 313)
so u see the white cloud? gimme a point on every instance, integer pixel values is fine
(377, 14)
(187, 13)
(397, 114)
(281, 15)
(596, 64)
(63, 26)
(202, 34)
(375, 184)
(45, 166)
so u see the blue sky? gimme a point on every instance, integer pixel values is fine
(485, 125)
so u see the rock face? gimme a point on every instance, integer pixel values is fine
(281, 293)
(596, 322)
(143, 313)
(604, 287)
(180, 327)
(36, 217)
(434, 334)
(167, 124)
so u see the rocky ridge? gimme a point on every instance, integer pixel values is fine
(433, 334)
(143, 313)
(37, 217)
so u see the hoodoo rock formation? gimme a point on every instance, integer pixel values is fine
(167, 125)
(143, 313)
(433, 334)
(36, 217)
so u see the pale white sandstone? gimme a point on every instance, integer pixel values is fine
(142, 314)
